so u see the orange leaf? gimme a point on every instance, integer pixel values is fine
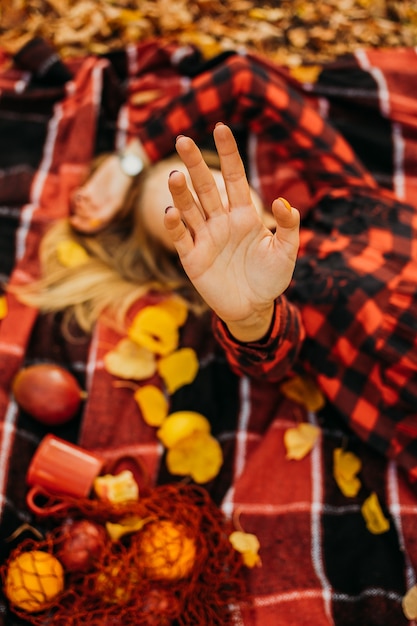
(345, 467)
(71, 254)
(3, 307)
(300, 440)
(409, 603)
(248, 545)
(199, 456)
(130, 361)
(180, 425)
(178, 368)
(152, 403)
(304, 391)
(155, 329)
(376, 522)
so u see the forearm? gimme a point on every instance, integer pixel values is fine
(272, 356)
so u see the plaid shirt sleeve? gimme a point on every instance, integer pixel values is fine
(272, 357)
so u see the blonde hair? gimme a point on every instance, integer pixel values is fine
(124, 263)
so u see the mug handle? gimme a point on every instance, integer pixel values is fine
(47, 509)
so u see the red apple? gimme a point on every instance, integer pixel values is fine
(81, 544)
(48, 392)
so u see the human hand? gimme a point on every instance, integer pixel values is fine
(235, 262)
(95, 204)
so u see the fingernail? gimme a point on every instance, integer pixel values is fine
(285, 203)
(171, 173)
(219, 124)
(179, 137)
(168, 208)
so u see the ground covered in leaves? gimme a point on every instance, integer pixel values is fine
(291, 32)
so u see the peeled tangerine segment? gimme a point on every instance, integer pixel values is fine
(130, 361)
(181, 424)
(156, 329)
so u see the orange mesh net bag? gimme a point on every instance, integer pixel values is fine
(162, 561)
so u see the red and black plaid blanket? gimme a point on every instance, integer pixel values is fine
(320, 563)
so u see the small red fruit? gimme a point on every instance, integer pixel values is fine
(48, 392)
(81, 544)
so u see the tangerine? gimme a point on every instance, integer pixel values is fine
(166, 550)
(33, 579)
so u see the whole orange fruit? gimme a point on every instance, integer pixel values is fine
(33, 579)
(166, 551)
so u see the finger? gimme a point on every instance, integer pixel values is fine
(178, 232)
(288, 225)
(232, 167)
(184, 200)
(201, 176)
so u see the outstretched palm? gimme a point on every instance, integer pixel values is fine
(237, 264)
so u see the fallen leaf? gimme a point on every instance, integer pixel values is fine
(180, 425)
(3, 307)
(345, 467)
(71, 254)
(248, 545)
(300, 440)
(304, 391)
(130, 361)
(376, 522)
(177, 308)
(155, 329)
(178, 368)
(126, 526)
(198, 456)
(152, 403)
(409, 603)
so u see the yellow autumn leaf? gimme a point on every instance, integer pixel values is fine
(155, 329)
(248, 545)
(198, 456)
(304, 391)
(180, 425)
(71, 254)
(178, 368)
(3, 307)
(126, 526)
(306, 73)
(129, 361)
(177, 308)
(409, 603)
(300, 440)
(345, 467)
(376, 522)
(152, 403)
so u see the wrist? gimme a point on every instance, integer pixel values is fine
(254, 328)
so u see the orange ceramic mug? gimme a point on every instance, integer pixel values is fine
(61, 468)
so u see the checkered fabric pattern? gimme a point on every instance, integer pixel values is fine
(347, 319)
